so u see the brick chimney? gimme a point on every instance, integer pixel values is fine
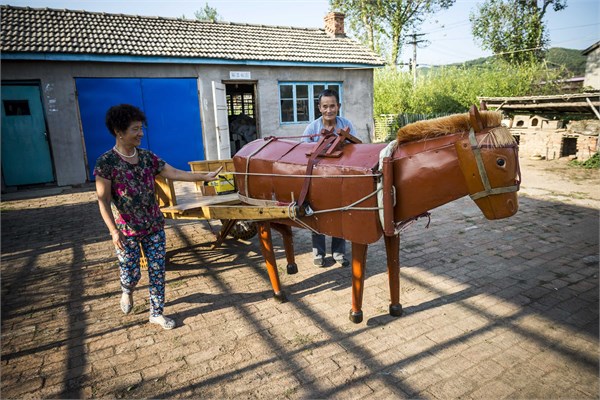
(334, 24)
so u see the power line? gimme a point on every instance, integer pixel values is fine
(576, 26)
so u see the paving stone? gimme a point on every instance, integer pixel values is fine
(502, 309)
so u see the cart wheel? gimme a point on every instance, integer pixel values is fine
(244, 230)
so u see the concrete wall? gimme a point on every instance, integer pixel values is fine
(62, 112)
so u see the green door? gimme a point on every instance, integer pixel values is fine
(25, 150)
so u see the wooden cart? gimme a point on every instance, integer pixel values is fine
(216, 200)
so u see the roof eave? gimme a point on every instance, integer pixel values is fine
(591, 48)
(174, 60)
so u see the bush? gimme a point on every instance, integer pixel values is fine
(453, 89)
(591, 163)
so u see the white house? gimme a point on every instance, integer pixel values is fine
(62, 69)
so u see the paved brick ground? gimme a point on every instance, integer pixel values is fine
(504, 309)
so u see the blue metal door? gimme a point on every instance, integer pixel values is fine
(95, 97)
(25, 150)
(173, 112)
(174, 130)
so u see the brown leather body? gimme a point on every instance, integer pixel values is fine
(426, 174)
(280, 159)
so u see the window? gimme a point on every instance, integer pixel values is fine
(299, 102)
(16, 107)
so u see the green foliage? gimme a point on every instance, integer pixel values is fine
(383, 24)
(454, 89)
(591, 163)
(208, 13)
(364, 21)
(513, 29)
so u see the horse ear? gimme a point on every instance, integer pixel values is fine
(475, 119)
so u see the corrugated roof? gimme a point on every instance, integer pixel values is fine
(573, 103)
(47, 31)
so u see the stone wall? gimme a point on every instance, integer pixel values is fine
(548, 139)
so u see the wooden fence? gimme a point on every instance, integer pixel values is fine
(386, 125)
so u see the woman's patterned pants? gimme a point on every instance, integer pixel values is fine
(154, 246)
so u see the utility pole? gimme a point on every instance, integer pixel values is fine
(414, 58)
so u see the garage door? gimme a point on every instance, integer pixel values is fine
(171, 106)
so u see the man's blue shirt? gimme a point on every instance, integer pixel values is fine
(315, 128)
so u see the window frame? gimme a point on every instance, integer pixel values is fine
(311, 95)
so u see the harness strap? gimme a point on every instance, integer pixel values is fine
(488, 190)
(485, 193)
(321, 145)
(267, 141)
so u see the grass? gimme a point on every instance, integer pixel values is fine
(302, 340)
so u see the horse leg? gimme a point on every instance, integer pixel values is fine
(288, 245)
(266, 247)
(359, 260)
(392, 249)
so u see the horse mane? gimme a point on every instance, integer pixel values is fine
(456, 123)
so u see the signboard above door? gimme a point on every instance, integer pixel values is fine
(239, 75)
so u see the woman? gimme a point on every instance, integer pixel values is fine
(125, 188)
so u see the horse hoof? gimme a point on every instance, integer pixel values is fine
(292, 269)
(396, 310)
(280, 297)
(356, 317)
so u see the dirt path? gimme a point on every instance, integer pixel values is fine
(557, 180)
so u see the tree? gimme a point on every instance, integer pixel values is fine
(365, 20)
(404, 15)
(381, 21)
(513, 29)
(207, 14)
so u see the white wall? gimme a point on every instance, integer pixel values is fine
(592, 69)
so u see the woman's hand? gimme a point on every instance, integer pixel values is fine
(103, 190)
(212, 176)
(117, 239)
(178, 175)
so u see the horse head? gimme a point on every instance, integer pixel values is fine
(489, 161)
(487, 155)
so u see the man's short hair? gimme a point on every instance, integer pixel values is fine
(329, 93)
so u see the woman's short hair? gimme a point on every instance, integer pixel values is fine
(118, 118)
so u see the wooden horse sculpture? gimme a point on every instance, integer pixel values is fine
(361, 192)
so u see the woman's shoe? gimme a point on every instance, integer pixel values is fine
(166, 323)
(126, 302)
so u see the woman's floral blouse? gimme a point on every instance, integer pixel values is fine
(133, 204)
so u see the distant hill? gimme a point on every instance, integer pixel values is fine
(571, 59)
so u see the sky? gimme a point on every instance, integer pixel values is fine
(448, 33)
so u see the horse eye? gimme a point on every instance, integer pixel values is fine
(501, 162)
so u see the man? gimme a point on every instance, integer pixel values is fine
(329, 106)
